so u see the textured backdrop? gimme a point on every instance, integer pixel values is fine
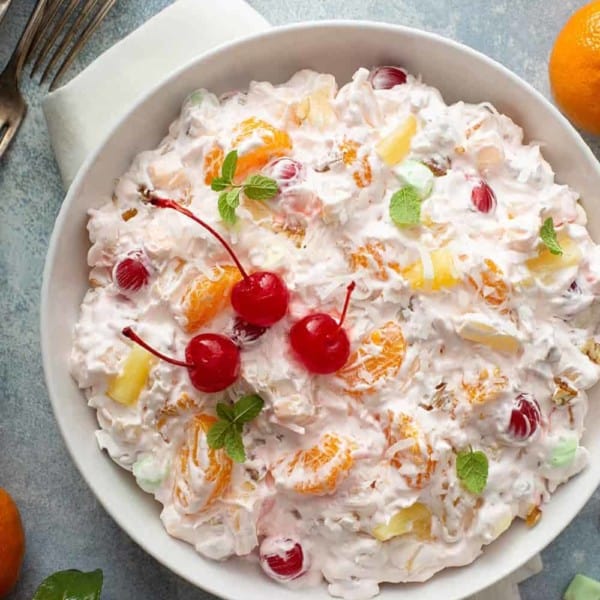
(65, 525)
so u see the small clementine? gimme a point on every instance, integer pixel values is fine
(575, 68)
(12, 543)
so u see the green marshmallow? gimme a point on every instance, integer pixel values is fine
(416, 174)
(583, 588)
(197, 97)
(149, 474)
(564, 452)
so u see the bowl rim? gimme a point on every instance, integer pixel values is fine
(208, 585)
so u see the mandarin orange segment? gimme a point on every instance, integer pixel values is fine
(487, 387)
(414, 462)
(491, 285)
(362, 173)
(318, 470)
(274, 143)
(370, 255)
(379, 357)
(202, 474)
(213, 161)
(206, 297)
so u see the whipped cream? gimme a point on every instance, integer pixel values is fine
(473, 310)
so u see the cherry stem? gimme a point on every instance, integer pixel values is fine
(349, 291)
(165, 203)
(134, 337)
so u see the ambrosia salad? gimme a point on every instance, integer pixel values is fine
(343, 333)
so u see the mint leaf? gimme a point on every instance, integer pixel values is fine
(234, 445)
(259, 187)
(71, 585)
(548, 235)
(229, 165)
(226, 211)
(225, 412)
(472, 470)
(218, 184)
(248, 408)
(217, 434)
(405, 207)
(233, 198)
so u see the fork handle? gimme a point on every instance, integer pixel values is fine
(17, 60)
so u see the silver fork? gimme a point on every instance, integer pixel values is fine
(12, 104)
(57, 30)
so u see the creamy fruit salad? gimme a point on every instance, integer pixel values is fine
(343, 333)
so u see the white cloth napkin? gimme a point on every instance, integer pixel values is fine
(80, 113)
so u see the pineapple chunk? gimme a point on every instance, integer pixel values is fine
(545, 264)
(320, 111)
(488, 335)
(126, 387)
(440, 274)
(167, 172)
(394, 148)
(413, 519)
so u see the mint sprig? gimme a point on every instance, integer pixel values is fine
(472, 470)
(405, 207)
(548, 235)
(255, 187)
(227, 431)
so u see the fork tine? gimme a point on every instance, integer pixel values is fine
(92, 26)
(68, 37)
(50, 11)
(58, 26)
(9, 134)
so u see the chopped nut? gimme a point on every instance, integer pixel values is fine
(592, 350)
(564, 392)
(459, 149)
(533, 517)
(438, 165)
(129, 214)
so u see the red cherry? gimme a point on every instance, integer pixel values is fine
(282, 558)
(385, 78)
(483, 197)
(213, 360)
(285, 171)
(130, 274)
(260, 298)
(525, 417)
(245, 333)
(320, 343)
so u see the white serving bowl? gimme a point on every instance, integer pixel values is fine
(332, 47)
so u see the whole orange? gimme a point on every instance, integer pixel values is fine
(575, 68)
(12, 543)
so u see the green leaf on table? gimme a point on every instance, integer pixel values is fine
(71, 585)
(548, 235)
(472, 470)
(259, 187)
(405, 207)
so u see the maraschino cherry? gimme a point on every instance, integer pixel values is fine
(212, 360)
(260, 298)
(130, 273)
(320, 343)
